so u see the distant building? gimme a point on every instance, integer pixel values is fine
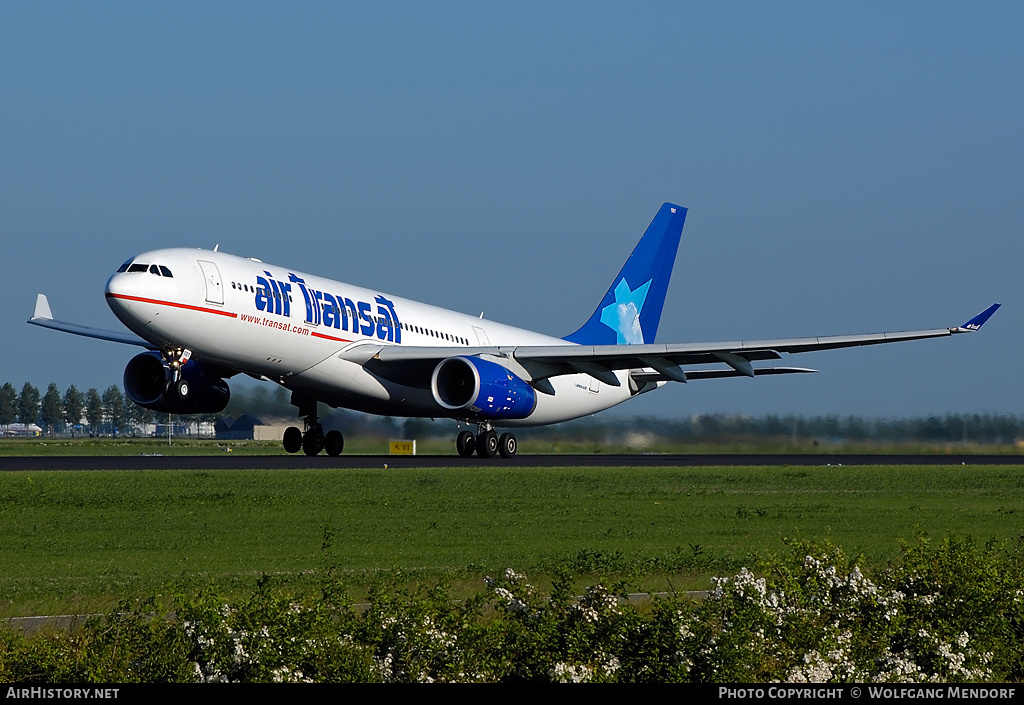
(250, 428)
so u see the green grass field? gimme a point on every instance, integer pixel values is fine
(71, 542)
(370, 445)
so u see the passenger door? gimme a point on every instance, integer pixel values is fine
(214, 289)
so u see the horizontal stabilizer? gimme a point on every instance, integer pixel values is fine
(42, 316)
(42, 307)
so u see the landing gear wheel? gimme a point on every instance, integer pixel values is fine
(181, 389)
(334, 442)
(487, 444)
(313, 441)
(292, 439)
(507, 445)
(465, 444)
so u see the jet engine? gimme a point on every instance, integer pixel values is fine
(150, 383)
(482, 389)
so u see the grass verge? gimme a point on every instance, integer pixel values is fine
(74, 542)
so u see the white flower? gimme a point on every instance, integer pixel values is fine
(566, 673)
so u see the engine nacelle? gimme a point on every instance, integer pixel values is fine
(147, 382)
(481, 388)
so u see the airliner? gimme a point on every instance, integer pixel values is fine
(205, 316)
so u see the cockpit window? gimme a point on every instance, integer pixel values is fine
(153, 269)
(138, 268)
(124, 267)
(165, 271)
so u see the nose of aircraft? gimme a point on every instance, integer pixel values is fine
(120, 290)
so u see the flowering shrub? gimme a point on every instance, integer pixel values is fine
(422, 636)
(270, 638)
(952, 611)
(558, 637)
(944, 614)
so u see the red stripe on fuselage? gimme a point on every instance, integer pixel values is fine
(140, 299)
(229, 314)
(328, 337)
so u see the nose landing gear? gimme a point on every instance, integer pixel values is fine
(176, 358)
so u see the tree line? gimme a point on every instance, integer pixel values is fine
(1002, 429)
(112, 413)
(109, 412)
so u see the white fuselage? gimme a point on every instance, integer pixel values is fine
(296, 329)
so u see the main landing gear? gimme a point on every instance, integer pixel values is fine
(313, 439)
(487, 443)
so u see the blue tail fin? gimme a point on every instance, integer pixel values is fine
(630, 311)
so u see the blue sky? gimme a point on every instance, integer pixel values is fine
(847, 169)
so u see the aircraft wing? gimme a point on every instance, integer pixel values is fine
(538, 363)
(43, 317)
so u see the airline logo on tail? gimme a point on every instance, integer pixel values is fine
(623, 315)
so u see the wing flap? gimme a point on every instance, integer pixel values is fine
(643, 376)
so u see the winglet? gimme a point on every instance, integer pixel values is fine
(979, 320)
(42, 307)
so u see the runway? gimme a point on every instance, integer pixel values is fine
(343, 462)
